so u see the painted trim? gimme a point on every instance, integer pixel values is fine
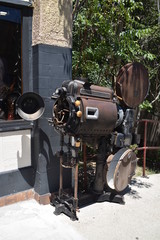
(27, 3)
(43, 199)
(23, 196)
(18, 197)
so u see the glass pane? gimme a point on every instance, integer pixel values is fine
(10, 61)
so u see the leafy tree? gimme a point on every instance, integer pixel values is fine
(109, 34)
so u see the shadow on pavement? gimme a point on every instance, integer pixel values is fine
(138, 183)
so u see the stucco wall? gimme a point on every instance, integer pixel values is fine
(52, 22)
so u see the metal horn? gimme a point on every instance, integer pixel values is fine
(30, 106)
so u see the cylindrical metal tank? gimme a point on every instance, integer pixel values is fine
(85, 110)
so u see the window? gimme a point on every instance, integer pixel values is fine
(10, 61)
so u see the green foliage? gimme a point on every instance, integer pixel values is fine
(109, 34)
(146, 105)
(134, 148)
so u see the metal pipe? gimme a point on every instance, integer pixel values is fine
(144, 153)
(148, 120)
(60, 176)
(60, 166)
(145, 148)
(76, 185)
(148, 148)
(85, 166)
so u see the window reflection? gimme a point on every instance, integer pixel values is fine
(10, 61)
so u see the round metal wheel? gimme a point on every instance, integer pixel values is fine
(121, 169)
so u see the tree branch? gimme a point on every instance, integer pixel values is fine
(77, 6)
(156, 98)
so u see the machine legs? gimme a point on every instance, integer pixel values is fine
(68, 203)
(65, 203)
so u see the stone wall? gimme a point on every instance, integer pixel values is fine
(52, 22)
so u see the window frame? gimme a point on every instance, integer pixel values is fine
(18, 2)
(26, 64)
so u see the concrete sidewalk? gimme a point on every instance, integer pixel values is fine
(138, 219)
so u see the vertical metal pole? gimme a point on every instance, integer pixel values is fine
(75, 154)
(85, 166)
(76, 185)
(144, 151)
(61, 167)
(61, 176)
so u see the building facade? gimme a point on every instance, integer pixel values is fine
(35, 56)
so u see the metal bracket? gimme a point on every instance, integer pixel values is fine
(111, 197)
(66, 206)
(90, 198)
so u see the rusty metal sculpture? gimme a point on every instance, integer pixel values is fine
(104, 118)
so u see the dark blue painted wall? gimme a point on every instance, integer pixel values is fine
(51, 66)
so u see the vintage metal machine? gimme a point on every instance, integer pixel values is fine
(101, 117)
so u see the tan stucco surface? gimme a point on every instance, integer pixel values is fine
(52, 22)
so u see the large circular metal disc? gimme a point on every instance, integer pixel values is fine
(124, 171)
(121, 169)
(112, 167)
(132, 84)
